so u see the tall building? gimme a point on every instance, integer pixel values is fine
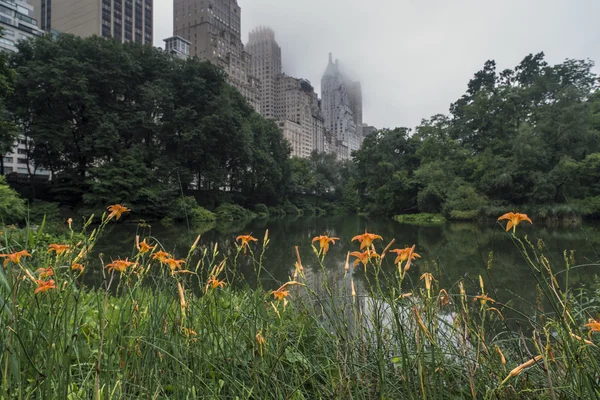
(177, 47)
(213, 29)
(18, 166)
(266, 66)
(123, 20)
(17, 22)
(342, 109)
(294, 102)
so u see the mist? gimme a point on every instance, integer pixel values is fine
(412, 57)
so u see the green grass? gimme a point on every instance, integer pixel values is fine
(422, 218)
(150, 333)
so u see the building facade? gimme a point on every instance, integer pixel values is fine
(266, 66)
(213, 29)
(17, 22)
(17, 164)
(342, 109)
(123, 20)
(178, 47)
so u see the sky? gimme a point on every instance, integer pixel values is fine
(414, 57)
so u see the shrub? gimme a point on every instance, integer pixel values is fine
(422, 218)
(458, 215)
(290, 209)
(590, 207)
(39, 209)
(261, 210)
(232, 212)
(276, 211)
(186, 208)
(464, 198)
(12, 207)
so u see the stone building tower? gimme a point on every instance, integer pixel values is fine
(266, 65)
(339, 97)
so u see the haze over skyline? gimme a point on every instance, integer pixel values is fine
(413, 58)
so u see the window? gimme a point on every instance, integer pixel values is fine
(21, 160)
(8, 160)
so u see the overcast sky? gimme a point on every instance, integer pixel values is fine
(414, 57)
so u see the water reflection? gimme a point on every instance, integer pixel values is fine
(451, 252)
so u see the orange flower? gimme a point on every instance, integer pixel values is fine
(58, 248)
(483, 299)
(161, 256)
(514, 219)
(428, 278)
(324, 242)
(364, 256)
(443, 298)
(15, 257)
(116, 210)
(145, 247)
(366, 239)
(593, 325)
(77, 267)
(119, 265)
(246, 239)
(44, 286)
(214, 282)
(282, 293)
(173, 263)
(44, 272)
(403, 254)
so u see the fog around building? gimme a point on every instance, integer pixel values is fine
(414, 57)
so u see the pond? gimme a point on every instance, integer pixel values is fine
(451, 251)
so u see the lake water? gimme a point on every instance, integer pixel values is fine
(451, 251)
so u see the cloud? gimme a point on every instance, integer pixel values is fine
(414, 57)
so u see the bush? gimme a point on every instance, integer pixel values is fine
(291, 209)
(232, 212)
(458, 215)
(464, 198)
(590, 207)
(276, 211)
(12, 207)
(39, 209)
(186, 208)
(261, 210)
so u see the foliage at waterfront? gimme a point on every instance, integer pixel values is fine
(526, 138)
(178, 328)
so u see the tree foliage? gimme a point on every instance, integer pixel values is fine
(129, 123)
(529, 136)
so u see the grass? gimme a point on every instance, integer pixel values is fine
(367, 332)
(422, 218)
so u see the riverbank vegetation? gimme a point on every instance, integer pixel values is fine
(157, 326)
(526, 138)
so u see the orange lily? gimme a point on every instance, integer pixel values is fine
(119, 265)
(245, 239)
(58, 248)
(443, 298)
(483, 299)
(77, 267)
(324, 242)
(15, 257)
(403, 254)
(428, 278)
(514, 219)
(214, 282)
(174, 264)
(161, 256)
(282, 293)
(144, 247)
(364, 256)
(116, 210)
(366, 239)
(593, 325)
(45, 272)
(44, 286)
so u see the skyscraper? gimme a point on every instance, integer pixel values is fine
(342, 109)
(266, 65)
(123, 20)
(16, 20)
(213, 29)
